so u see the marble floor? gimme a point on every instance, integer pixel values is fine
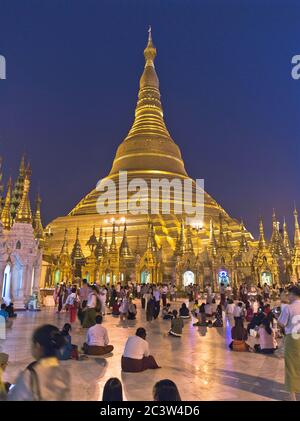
(199, 362)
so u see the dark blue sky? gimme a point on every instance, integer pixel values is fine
(230, 103)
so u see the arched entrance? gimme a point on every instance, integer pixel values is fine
(188, 278)
(223, 277)
(266, 278)
(6, 285)
(145, 277)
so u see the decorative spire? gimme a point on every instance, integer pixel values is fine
(5, 215)
(92, 241)
(243, 241)
(137, 250)
(24, 214)
(262, 241)
(297, 230)
(99, 248)
(65, 246)
(286, 240)
(17, 192)
(113, 244)
(222, 239)
(125, 250)
(189, 244)
(77, 255)
(276, 243)
(151, 243)
(105, 245)
(212, 239)
(37, 222)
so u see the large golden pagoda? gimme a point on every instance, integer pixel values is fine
(149, 152)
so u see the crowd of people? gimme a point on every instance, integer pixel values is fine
(258, 317)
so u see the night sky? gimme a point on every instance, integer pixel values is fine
(73, 69)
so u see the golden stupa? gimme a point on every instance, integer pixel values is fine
(147, 152)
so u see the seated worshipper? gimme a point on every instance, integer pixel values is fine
(112, 391)
(93, 307)
(256, 320)
(184, 312)
(213, 306)
(238, 311)
(68, 351)
(176, 325)
(267, 342)
(201, 316)
(5, 316)
(11, 311)
(97, 340)
(124, 309)
(239, 336)
(131, 314)
(195, 309)
(166, 312)
(136, 356)
(116, 308)
(219, 317)
(166, 391)
(249, 311)
(208, 309)
(4, 387)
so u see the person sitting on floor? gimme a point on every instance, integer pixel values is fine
(208, 309)
(5, 316)
(219, 317)
(267, 342)
(136, 356)
(112, 391)
(4, 386)
(166, 390)
(11, 311)
(195, 309)
(166, 312)
(176, 325)
(131, 315)
(68, 351)
(97, 340)
(213, 306)
(116, 308)
(184, 312)
(201, 316)
(239, 336)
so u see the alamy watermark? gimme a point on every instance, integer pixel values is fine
(2, 67)
(152, 196)
(296, 68)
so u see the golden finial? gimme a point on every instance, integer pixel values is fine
(150, 50)
(24, 214)
(5, 216)
(37, 222)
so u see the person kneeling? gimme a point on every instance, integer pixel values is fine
(136, 356)
(97, 340)
(176, 325)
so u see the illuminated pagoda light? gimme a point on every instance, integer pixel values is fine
(148, 152)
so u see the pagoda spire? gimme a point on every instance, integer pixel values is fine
(5, 215)
(65, 245)
(125, 250)
(297, 230)
(262, 241)
(212, 239)
(92, 241)
(244, 247)
(99, 247)
(77, 255)
(137, 250)
(276, 242)
(37, 221)
(113, 244)
(222, 239)
(24, 214)
(151, 243)
(17, 192)
(286, 240)
(105, 245)
(189, 244)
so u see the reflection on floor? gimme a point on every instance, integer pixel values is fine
(199, 362)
